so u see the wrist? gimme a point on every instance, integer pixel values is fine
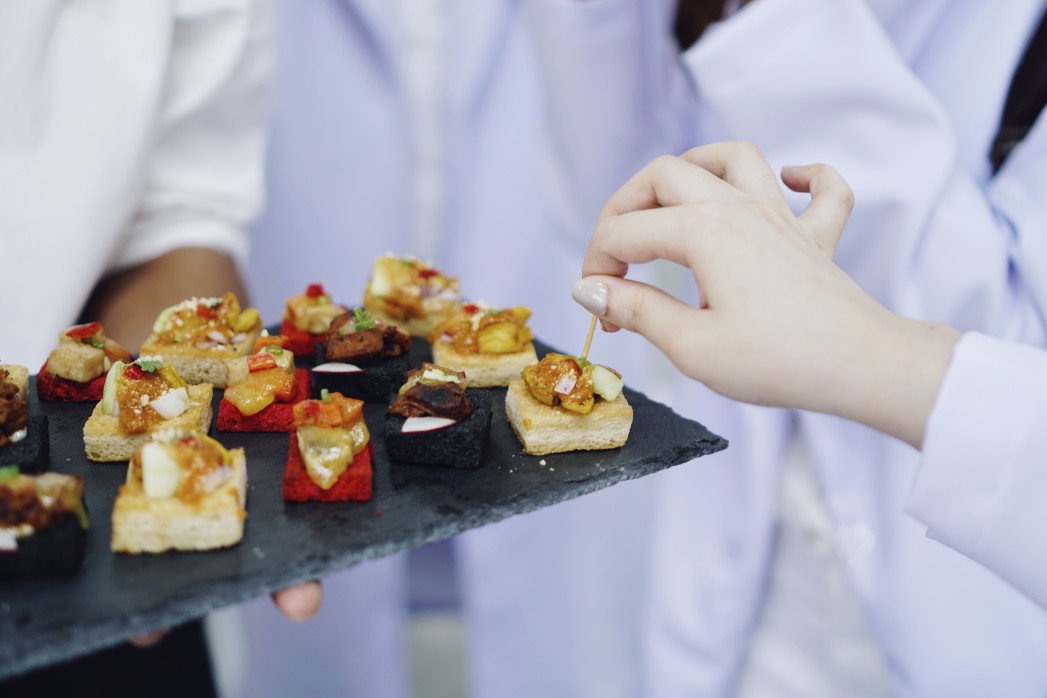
(895, 382)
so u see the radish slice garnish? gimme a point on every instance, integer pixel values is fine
(8, 540)
(417, 424)
(337, 367)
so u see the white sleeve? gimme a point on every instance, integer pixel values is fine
(617, 95)
(204, 175)
(825, 83)
(982, 487)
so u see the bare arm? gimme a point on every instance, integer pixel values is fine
(127, 302)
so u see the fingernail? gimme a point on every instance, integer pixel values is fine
(591, 295)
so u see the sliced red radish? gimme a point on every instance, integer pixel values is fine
(337, 367)
(416, 424)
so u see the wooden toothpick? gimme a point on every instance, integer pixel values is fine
(589, 338)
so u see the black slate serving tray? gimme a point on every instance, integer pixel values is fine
(116, 596)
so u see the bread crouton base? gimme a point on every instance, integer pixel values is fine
(543, 429)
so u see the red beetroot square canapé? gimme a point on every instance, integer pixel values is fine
(276, 417)
(354, 484)
(54, 389)
(301, 344)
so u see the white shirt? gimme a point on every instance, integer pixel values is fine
(128, 129)
(560, 586)
(892, 94)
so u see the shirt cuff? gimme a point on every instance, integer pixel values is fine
(982, 485)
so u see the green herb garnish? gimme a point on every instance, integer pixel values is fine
(149, 366)
(274, 349)
(97, 343)
(325, 395)
(8, 472)
(364, 321)
(323, 300)
(582, 363)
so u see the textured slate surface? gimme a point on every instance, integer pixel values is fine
(116, 596)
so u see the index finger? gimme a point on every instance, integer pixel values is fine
(665, 181)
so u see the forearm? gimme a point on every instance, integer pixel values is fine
(890, 377)
(127, 302)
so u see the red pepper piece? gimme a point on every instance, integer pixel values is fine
(427, 273)
(315, 291)
(84, 331)
(260, 362)
(205, 312)
(471, 308)
(133, 372)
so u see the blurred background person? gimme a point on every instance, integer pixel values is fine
(131, 159)
(420, 127)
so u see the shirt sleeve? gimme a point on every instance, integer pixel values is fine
(204, 174)
(927, 237)
(982, 486)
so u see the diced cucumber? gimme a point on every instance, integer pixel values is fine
(160, 472)
(109, 389)
(605, 383)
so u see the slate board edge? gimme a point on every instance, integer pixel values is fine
(107, 635)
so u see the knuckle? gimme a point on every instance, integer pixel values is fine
(831, 180)
(747, 149)
(663, 162)
(691, 152)
(846, 194)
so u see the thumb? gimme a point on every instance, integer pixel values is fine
(299, 603)
(663, 319)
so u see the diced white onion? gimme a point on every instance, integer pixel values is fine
(19, 435)
(172, 403)
(217, 337)
(239, 337)
(337, 367)
(565, 384)
(416, 424)
(216, 478)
